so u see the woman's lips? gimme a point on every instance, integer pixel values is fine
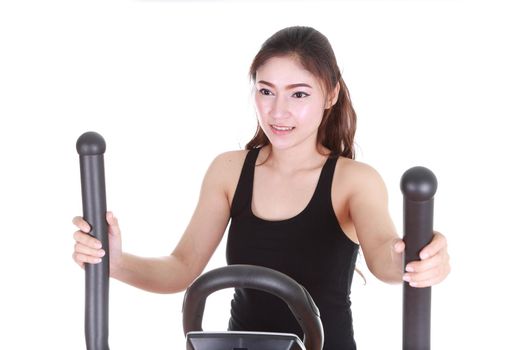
(281, 130)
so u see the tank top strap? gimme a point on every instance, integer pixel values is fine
(323, 192)
(243, 193)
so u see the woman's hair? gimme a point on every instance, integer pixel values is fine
(313, 50)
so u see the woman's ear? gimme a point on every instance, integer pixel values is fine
(332, 97)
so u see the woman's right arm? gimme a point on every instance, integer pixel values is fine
(174, 272)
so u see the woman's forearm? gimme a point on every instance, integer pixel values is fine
(165, 274)
(386, 264)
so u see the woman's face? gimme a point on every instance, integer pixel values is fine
(290, 102)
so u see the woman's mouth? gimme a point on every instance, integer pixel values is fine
(280, 129)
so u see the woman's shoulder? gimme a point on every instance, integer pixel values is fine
(356, 175)
(230, 159)
(355, 167)
(225, 168)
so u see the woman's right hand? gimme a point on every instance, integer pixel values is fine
(89, 249)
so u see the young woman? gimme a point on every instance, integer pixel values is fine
(296, 201)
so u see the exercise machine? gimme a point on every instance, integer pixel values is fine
(418, 185)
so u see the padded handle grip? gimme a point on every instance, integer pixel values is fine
(418, 185)
(91, 147)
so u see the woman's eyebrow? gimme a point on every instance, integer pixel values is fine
(288, 87)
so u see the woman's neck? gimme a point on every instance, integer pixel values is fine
(295, 158)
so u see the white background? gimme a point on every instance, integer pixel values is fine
(434, 83)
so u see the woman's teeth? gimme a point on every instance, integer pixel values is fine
(282, 128)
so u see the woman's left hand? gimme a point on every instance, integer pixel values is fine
(433, 267)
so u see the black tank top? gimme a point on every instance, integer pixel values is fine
(309, 247)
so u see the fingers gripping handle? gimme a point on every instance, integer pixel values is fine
(418, 185)
(91, 147)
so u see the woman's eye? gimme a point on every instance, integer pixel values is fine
(300, 94)
(265, 92)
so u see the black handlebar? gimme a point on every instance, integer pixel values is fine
(260, 278)
(91, 147)
(418, 185)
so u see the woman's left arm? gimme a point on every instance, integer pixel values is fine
(382, 247)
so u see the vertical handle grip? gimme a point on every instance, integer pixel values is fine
(418, 185)
(91, 147)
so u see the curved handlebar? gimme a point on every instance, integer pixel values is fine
(260, 278)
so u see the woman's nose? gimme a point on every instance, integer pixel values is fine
(280, 108)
